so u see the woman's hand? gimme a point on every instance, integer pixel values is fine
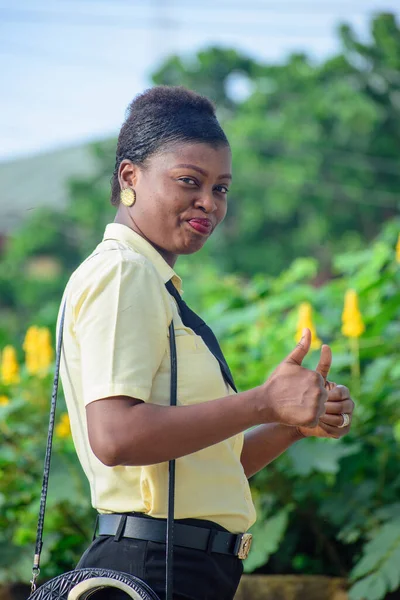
(294, 395)
(329, 425)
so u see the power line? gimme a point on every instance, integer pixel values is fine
(306, 7)
(227, 27)
(386, 165)
(29, 16)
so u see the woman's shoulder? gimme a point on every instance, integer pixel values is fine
(112, 260)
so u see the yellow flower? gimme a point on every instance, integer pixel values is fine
(398, 249)
(305, 320)
(30, 347)
(63, 429)
(353, 325)
(9, 366)
(46, 349)
(4, 400)
(38, 350)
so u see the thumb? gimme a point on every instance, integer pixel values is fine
(325, 361)
(298, 354)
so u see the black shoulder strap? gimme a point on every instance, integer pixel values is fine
(47, 460)
(171, 472)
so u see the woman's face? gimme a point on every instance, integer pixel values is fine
(181, 196)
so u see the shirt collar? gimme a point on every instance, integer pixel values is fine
(124, 234)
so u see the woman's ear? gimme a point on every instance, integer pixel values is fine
(127, 174)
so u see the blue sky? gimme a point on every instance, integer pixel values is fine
(69, 68)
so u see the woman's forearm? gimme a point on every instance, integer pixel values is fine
(126, 433)
(265, 443)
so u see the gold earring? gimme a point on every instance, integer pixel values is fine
(128, 196)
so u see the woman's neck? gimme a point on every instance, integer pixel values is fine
(123, 219)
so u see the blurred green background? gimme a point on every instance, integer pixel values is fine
(313, 212)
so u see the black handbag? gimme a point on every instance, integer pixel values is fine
(80, 584)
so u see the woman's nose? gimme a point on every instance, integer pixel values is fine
(206, 202)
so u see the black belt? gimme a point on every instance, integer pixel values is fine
(188, 536)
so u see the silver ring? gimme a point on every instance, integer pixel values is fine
(346, 421)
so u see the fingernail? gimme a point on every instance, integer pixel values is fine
(304, 332)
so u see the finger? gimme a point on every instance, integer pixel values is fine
(335, 395)
(333, 420)
(323, 398)
(298, 354)
(325, 361)
(334, 432)
(336, 408)
(330, 385)
(340, 392)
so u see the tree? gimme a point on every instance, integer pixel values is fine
(314, 148)
(315, 167)
(41, 255)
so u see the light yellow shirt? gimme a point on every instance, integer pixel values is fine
(116, 342)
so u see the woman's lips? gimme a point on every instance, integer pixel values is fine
(203, 226)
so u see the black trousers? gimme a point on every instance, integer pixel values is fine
(198, 575)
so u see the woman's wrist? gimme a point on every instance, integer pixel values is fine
(292, 432)
(263, 414)
(262, 411)
(297, 434)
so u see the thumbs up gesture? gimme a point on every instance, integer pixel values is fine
(336, 420)
(333, 423)
(295, 395)
(300, 397)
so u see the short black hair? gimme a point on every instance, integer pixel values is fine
(162, 115)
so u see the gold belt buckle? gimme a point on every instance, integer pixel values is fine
(244, 546)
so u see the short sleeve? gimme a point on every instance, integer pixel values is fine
(121, 327)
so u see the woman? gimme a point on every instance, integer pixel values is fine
(170, 187)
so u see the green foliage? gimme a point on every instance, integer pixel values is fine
(378, 570)
(326, 506)
(267, 535)
(41, 255)
(316, 172)
(319, 456)
(208, 73)
(69, 517)
(324, 500)
(315, 148)
(315, 164)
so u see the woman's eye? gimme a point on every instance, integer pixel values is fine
(188, 180)
(222, 188)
